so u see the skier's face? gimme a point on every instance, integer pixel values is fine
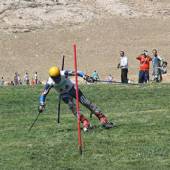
(56, 79)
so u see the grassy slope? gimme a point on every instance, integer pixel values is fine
(141, 140)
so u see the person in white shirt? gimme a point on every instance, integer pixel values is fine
(26, 78)
(36, 78)
(19, 80)
(123, 65)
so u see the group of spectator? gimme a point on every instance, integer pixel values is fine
(25, 81)
(96, 77)
(158, 65)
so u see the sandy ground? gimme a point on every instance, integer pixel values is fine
(35, 34)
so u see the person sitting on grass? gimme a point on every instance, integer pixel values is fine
(60, 81)
(110, 78)
(95, 75)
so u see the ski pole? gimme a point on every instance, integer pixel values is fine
(59, 97)
(34, 122)
(114, 82)
(59, 103)
(62, 68)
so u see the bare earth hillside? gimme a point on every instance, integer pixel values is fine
(36, 33)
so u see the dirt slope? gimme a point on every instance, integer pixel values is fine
(36, 33)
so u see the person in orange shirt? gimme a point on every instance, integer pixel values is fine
(144, 67)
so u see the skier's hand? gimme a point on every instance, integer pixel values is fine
(85, 77)
(88, 79)
(41, 108)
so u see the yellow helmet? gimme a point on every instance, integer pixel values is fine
(54, 72)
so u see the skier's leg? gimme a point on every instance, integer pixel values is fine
(68, 99)
(93, 108)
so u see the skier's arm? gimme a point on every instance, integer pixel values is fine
(80, 74)
(72, 73)
(42, 97)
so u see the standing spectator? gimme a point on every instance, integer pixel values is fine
(123, 65)
(16, 82)
(144, 67)
(36, 78)
(95, 75)
(156, 62)
(2, 81)
(19, 80)
(26, 79)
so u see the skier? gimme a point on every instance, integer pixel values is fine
(66, 88)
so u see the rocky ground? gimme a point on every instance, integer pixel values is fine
(36, 33)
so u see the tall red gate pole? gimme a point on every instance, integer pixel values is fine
(77, 100)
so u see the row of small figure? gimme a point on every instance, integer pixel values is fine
(17, 80)
(26, 79)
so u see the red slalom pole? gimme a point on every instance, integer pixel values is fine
(77, 100)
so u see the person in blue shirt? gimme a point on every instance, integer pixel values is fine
(95, 75)
(156, 63)
(60, 81)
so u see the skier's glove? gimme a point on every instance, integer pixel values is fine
(88, 79)
(41, 108)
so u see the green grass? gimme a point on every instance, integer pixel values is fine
(141, 140)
